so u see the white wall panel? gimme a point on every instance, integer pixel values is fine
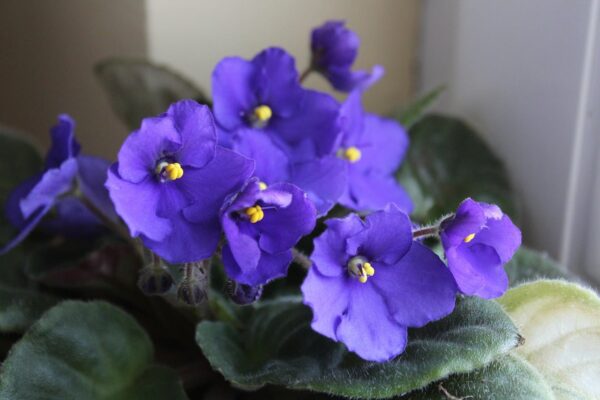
(520, 72)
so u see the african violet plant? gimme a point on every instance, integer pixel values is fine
(274, 242)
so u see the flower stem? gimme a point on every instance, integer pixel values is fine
(426, 231)
(116, 227)
(306, 73)
(301, 259)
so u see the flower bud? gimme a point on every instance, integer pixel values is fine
(155, 280)
(192, 290)
(243, 294)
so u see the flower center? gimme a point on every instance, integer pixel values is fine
(351, 154)
(254, 213)
(262, 185)
(469, 238)
(169, 171)
(360, 268)
(261, 116)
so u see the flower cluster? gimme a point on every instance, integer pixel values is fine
(247, 179)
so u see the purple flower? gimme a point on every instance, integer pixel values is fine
(262, 223)
(263, 113)
(243, 294)
(370, 281)
(30, 202)
(372, 148)
(171, 179)
(478, 240)
(334, 49)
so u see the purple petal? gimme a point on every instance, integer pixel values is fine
(137, 204)
(270, 266)
(502, 235)
(330, 255)
(187, 242)
(12, 207)
(317, 120)
(345, 80)
(469, 218)
(283, 227)
(272, 164)
(93, 172)
(386, 143)
(196, 126)
(72, 219)
(279, 195)
(387, 236)
(324, 180)
(477, 270)
(232, 91)
(224, 175)
(418, 289)
(64, 145)
(242, 246)
(276, 81)
(373, 191)
(333, 44)
(368, 329)
(145, 147)
(328, 298)
(352, 118)
(26, 227)
(54, 182)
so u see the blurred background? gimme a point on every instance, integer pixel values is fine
(525, 74)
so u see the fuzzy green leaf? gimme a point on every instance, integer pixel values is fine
(506, 378)
(276, 346)
(21, 302)
(448, 161)
(91, 351)
(561, 325)
(139, 89)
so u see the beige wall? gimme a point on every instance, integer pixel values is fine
(194, 36)
(47, 50)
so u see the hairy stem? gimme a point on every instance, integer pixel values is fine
(301, 259)
(306, 73)
(426, 231)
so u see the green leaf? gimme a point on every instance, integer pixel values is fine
(21, 302)
(561, 325)
(139, 89)
(277, 346)
(529, 265)
(89, 351)
(506, 378)
(447, 162)
(415, 110)
(19, 160)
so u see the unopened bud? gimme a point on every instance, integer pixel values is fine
(155, 280)
(193, 287)
(243, 294)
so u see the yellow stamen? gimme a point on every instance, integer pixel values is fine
(263, 113)
(469, 238)
(255, 213)
(169, 171)
(352, 154)
(360, 268)
(262, 185)
(368, 269)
